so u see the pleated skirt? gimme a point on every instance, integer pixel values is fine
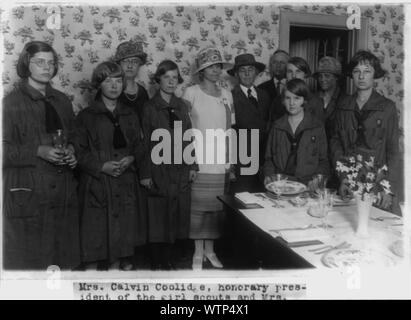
(207, 215)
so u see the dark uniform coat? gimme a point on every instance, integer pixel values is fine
(112, 220)
(311, 152)
(40, 213)
(270, 88)
(248, 116)
(136, 103)
(327, 115)
(168, 200)
(380, 132)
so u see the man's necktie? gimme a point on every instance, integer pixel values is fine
(252, 98)
(279, 88)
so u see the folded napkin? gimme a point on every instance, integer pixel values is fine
(246, 198)
(292, 236)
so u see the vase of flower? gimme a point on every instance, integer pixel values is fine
(364, 204)
(367, 181)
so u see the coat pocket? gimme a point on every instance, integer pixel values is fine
(21, 199)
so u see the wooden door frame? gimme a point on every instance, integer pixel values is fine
(312, 20)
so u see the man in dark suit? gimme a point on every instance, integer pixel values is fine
(278, 66)
(251, 107)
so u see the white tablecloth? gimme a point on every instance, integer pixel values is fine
(343, 221)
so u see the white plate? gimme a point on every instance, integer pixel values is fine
(343, 258)
(289, 188)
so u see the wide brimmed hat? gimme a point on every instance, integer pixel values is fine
(207, 57)
(246, 59)
(130, 49)
(329, 65)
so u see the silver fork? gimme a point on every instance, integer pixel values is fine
(320, 248)
(276, 204)
(342, 245)
(326, 247)
(310, 226)
(384, 218)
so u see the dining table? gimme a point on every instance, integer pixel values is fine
(279, 233)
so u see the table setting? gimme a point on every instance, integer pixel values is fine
(323, 228)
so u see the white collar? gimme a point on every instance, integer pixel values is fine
(282, 81)
(245, 90)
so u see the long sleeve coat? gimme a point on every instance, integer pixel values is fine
(169, 199)
(112, 220)
(380, 132)
(248, 116)
(270, 88)
(40, 212)
(311, 152)
(327, 115)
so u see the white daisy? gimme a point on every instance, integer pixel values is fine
(341, 168)
(386, 186)
(370, 176)
(369, 186)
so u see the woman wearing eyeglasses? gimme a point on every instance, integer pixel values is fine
(40, 219)
(130, 56)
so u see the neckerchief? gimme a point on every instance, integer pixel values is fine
(292, 157)
(119, 141)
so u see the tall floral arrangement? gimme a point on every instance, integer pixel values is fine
(364, 177)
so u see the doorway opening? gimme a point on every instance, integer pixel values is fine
(311, 44)
(299, 26)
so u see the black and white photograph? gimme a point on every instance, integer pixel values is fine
(222, 144)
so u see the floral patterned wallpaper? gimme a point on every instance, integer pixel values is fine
(90, 34)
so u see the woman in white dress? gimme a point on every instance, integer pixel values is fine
(211, 107)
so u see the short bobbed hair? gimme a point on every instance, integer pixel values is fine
(163, 67)
(28, 52)
(104, 70)
(366, 57)
(301, 64)
(297, 87)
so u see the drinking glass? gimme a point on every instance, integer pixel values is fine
(279, 180)
(321, 183)
(327, 197)
(60, 141)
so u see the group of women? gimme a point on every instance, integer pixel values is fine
(311, 132)
(83, 190)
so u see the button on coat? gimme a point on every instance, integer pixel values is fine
(113, 220)
(40, 212)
